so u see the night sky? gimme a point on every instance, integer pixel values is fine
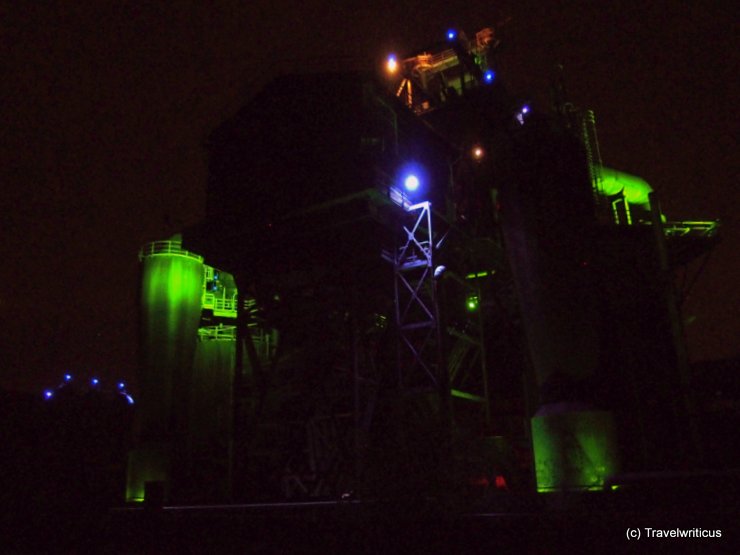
(106, 107)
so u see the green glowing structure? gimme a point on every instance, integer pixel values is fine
(210, 416)
(171, 299)
(575, 449)
(187, 360)
(635, 189)
(551, 219)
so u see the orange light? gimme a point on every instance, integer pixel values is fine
(478, 152)
(391, 65)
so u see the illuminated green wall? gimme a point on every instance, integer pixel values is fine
(573, 449)
(171, 294)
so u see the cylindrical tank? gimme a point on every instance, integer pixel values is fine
(210, 413)
(635, 189)
(171, 298)
(213, 372)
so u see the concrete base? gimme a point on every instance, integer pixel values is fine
(147, 464)
(575, 447)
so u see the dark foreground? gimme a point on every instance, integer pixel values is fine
(652, 506)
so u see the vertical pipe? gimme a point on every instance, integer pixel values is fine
(356, 400)
(694, 449)
(236, 392)
(483, 358)
(445, 422)
(397, 306)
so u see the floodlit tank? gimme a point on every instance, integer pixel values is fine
(171, 301)
(210, 412)
(213, 371)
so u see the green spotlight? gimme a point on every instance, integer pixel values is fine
(472, 303)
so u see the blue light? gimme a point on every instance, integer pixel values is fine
(95, 381)
(67, 377)
(48, 394)
(411, 182)
(129, 399)
(451, 34)
(525, 109)
(489, 75)
(121, 385)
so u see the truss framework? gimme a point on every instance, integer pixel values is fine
(417, 313)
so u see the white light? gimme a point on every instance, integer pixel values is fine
(391, 64)
(523, 112)
(411, 182)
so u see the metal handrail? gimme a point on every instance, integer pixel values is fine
(262, 340)
(172, 248)
(217, 332)
(210, 300)
(703, 229)
(433, 61)
(226, 303)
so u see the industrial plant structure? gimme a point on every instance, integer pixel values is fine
(412, 282)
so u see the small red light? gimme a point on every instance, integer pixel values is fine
(501, 482)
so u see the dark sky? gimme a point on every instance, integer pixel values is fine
(106, 105)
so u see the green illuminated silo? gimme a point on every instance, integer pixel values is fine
(171, 297)
(213, 372)
(211, 414)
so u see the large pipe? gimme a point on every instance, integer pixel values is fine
(635, 189)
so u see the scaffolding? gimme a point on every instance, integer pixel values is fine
(417, 313)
